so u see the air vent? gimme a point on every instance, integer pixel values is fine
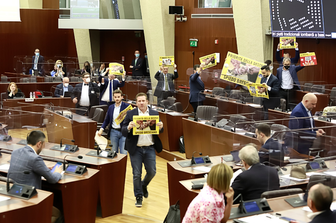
(212, 16)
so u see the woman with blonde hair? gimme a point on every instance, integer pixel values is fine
(59, 70)
(13, 91)
(209, 205)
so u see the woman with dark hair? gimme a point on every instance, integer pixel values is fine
(86, 68)
(14, 91)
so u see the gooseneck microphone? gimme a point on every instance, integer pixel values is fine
(193, 158)
(64, 161)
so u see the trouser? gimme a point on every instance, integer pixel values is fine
(117, 141)
(196, 104)
(289, 95)
(147, 156)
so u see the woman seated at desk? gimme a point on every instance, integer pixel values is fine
(14, 92)
(209, 205)
(59, 70)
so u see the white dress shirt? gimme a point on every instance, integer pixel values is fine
(147, 139)
(115, 115)
(106, 95)
(36, 62)
(269, 88)
(287, 80)
(85, 100)
(310, 117)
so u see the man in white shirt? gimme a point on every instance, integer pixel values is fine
(141, 148)
(289, 81)
(85, 95)
(165, 86)
(117, 139)
(107, 86)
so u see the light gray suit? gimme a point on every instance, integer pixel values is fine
(25, 159)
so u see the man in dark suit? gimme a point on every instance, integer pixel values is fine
(136, 66)
(196, 96)
(37, 66)
(62, 88)
(256, 179)
(269, 145)
(297, 121)
(85, 95)
(289, 81)
(117, 139)
(165, 86)
(27, 159)
(272, 85)
(107, 86)
(141, 148)
(286, 55)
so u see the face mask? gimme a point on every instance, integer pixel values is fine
(287, 66)
(37, 54)
(59, 65)
(137, 55)
(145, 56)
(88, 79)
(66, 84)
(271, 67)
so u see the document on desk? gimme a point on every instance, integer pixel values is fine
(203, 168)
(262, 218)
(332, 173)
(3, 198)
(101, 141)
(4, 167)
(293, 178)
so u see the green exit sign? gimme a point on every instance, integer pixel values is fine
(193, 43)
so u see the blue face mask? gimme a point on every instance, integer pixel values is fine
(145, 56)
(37, 54)
(137, 55)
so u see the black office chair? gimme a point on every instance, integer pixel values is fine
(318, 88)
(279, 135)
(333, 97)
(236, 119)
(307, 87)
(164, 103)
(280, 193)
(74, 79)
(206, 112)
(24, 80)
(93, 109)
(98, 116)
(218, 91)
(177, 106)
(171, 100)
(57, 79)
(48, 79)
(4, 79)
(32, 80)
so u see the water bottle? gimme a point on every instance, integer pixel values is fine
(34, 94)
(31, 94)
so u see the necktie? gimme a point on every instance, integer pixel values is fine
(136, 60)
(111, 83)
(166, 83)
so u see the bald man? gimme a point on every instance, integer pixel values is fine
(62, 88)
(303, 109)
(319, 200)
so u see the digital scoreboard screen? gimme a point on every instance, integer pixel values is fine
(303, 18)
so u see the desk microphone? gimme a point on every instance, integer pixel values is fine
(72, 140)
(64, 161)
(8, 180)
(193, 158)
(278, 168)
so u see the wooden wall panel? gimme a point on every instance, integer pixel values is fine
(323, 72)
(206, 31)
(37, 29)
(116, 43)
(50, 4)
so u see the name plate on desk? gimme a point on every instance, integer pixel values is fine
(29, 99)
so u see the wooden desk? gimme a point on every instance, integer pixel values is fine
(210, 140)
(111, 175)
(173, 130)
(36, 209)
(26, 88)
(76, 195)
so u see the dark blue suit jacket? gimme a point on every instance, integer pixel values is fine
(103, 87)
(109, 116)
(59, 90)
(132, 140)
(137, 69)
(159, 76)
(273, 94)
(39, 64)
(293, 60)
(327, 216)
(292, 70)
(196, 88)
(25, 159)
(253, 182)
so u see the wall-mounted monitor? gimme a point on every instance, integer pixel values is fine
(303, 18)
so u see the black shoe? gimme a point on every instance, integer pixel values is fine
(138, 202)
(144, 191)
